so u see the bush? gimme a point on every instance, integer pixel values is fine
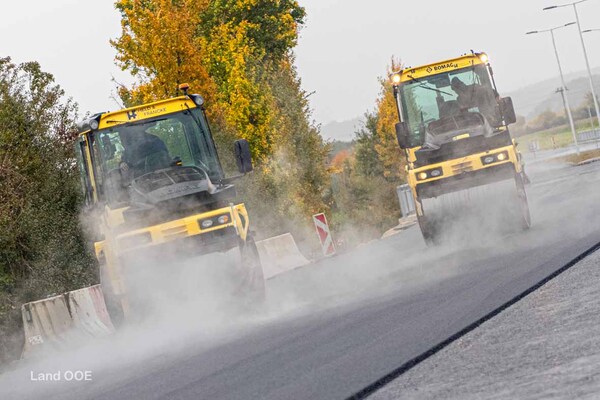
(42, 250)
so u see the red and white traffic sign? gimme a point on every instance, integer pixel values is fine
(324, 234)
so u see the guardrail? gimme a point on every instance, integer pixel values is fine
(407, 202)
(588, 136)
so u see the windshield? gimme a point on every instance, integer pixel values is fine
(127, 152)
(447, 95)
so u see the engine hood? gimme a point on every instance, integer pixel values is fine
(170, 183)
(173, 192)
(449, 129)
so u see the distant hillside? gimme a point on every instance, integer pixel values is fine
(341, 131)
(533, 99)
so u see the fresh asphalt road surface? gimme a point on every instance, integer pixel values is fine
(355, 317)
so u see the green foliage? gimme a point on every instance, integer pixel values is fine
(225, 49)
(368, 163)
(271, 26)
(294, 183)
(364, 186)
(366, 203)
(41, 246)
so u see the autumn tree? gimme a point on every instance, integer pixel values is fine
(392, 158)
(247, 43)
(160, 47)
(237, 54)
(364, 189)
(365, 202)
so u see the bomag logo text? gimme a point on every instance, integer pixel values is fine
(445, 66)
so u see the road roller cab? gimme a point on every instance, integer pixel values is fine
(154, 185)
(454, 131)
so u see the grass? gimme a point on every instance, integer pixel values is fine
(581, 157)
(561, 134)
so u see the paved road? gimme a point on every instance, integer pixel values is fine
(338, 326)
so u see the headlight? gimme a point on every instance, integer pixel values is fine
(396, 79)
(94, 124)
(488, 159)
(431, 173)
(492, 158)
(196, 98)
(484, 58)
(207, 223)
(435, 173)
(215, 221)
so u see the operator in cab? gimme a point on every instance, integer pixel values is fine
(143, 152)
(476, 96)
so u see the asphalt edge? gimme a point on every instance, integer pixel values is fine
(381, 382)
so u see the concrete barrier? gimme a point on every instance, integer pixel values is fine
(88, 312)
(64, 321)
(47, 324)
(279, 254)
(403, 224)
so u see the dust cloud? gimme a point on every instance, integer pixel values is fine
(189, 307)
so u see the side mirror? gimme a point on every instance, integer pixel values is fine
(403, 135)
(243, 157)
(508, 110)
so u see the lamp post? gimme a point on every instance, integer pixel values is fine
(562, 80)
(587, 63)
(590, 111)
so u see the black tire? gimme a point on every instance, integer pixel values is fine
(253, 286)
(114, 308)
(429, 231)
(112, 302)
(523, 214)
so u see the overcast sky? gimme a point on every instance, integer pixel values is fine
(344, 47)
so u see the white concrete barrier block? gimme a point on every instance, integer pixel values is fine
(88, 311)
(279, 254)
(46, 322)
(62, 322)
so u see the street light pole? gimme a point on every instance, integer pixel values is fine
(564, 86)
(562, 80)
(595, 98)
(585, 56)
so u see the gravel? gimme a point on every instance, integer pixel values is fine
(547, 346)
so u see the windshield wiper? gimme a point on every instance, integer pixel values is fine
(422, 85)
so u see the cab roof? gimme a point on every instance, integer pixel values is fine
(439, 67)
(139, 113)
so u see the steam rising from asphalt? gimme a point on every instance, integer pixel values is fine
(191, 306)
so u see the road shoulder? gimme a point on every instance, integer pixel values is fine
(545, 346)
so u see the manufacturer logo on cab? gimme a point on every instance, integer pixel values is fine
(445, 66)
